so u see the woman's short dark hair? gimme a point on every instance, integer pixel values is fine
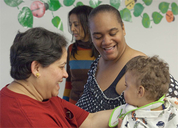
(106, 8)
(36, 44)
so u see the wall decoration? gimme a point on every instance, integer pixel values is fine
(132, 8)
(115, 3)
(38, 8)
(156, 17)
(170, 16)
(130, 4)
(25, 17)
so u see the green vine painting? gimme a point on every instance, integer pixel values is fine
(38, 8)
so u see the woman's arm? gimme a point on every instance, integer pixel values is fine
(97, 120)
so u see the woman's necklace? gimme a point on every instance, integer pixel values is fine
(19, 83)
(31, 94)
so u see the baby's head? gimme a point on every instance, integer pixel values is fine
(146, 76)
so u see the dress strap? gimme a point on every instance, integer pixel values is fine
(120, 75)
(110, 92)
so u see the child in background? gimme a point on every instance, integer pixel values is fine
(147, 81)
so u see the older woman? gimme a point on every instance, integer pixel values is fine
(38, 59)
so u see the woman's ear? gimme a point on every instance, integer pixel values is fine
(123, 29)
(35, 68)
(141, 91)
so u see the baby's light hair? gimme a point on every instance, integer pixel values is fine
(152, 73)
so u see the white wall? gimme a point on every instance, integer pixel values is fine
(161, 39)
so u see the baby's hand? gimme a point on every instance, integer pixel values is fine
(120, 122)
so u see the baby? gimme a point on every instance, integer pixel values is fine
(147, 82)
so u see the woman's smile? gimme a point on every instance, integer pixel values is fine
(109, 49)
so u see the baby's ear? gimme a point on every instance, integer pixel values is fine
(141, 91)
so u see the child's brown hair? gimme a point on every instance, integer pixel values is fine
(152, 73)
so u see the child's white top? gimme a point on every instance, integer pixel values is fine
(143, 117)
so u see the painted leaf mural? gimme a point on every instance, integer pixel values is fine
(25, 17)
(56, 21)
(147, 2)
(68, 2)
(163, 7)
(138, 9)
(94, 3)
(13, 3)
(54, 5)
(157, 17)
(79, 3)
(115, 3)
(126, 15)
(146, 21)
(174, 7)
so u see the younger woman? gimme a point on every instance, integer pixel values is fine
(80, 54)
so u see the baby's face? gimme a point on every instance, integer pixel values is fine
(131, 91)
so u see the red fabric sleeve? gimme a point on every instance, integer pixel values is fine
(79, 114)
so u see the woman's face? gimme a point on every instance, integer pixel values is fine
(76, 28)
(107, 35)
(51, 76)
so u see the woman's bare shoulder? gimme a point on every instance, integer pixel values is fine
(135, 53)
(138, 53)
